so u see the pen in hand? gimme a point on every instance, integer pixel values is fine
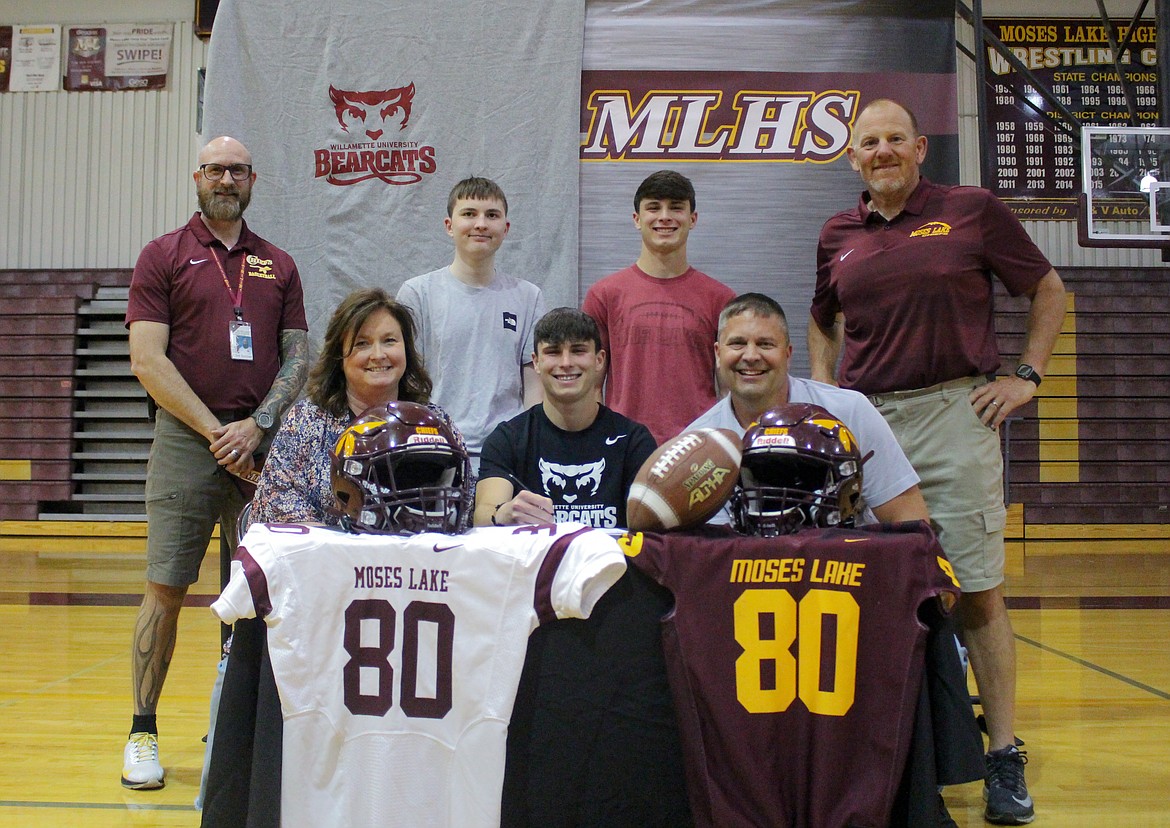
(517, 485)
(535, 509)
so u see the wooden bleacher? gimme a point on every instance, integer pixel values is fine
(36, 393)
(38, 374)
(1090, 460)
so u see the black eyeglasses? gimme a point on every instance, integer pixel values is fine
(214, 172)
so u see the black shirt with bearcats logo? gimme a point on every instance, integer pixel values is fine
(593, 739)
(586, 473)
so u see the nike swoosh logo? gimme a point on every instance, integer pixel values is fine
(845, 255)
(1026, 802)
(855, 540)
(609, 441)
(438, 548)
(198, 261)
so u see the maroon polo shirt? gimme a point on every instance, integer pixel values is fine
(177, 282)
(916, 291)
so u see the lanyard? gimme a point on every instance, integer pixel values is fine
(238, 294)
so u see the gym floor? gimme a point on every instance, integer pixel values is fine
(1093, 640)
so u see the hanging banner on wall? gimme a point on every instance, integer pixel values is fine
(664, 86)
(36, 59)
(1037, 165)
(5, 56)
(118, 56)
(359, 132)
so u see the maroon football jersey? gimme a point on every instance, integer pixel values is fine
(795, 664)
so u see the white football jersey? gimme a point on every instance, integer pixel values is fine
(397, 659)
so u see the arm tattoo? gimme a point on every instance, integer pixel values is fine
(294, 369)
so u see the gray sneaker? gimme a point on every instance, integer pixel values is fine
(1008, 802)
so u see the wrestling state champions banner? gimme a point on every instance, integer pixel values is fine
(754, 102)
(362, 114)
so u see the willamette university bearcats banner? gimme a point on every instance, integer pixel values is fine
(362, 114)
(754, 102)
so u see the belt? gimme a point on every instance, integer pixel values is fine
(233, 414)
(961, 382)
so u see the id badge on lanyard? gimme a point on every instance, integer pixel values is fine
(241, 339)
(239, 331)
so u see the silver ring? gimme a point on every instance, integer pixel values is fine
(235, 453)
(993, 402)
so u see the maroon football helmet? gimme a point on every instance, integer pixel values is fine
(801, 467)
(400, 470)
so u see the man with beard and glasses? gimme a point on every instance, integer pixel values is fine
(219, 340)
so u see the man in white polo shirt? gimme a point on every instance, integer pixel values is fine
(752, 355)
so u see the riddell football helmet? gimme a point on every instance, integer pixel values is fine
(399, 470)
(801, 467)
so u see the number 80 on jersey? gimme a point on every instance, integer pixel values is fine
(769, 677)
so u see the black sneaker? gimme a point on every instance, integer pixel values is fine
(1008, 802)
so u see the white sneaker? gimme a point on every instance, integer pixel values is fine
(140, 766)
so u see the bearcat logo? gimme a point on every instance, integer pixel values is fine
(572, 487)
(625, 117)
(571, 481)
(372, 122)
(353, 107)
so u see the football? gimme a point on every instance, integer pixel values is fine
(685, 482)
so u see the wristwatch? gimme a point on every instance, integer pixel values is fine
(263, 419)
(1027, 372)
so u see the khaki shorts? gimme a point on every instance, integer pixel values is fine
(186, 494)
(961, 466)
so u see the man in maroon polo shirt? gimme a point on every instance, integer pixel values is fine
(219, 340)
(904, 284)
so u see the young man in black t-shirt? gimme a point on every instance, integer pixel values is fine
(593, 739)
(568, 458)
